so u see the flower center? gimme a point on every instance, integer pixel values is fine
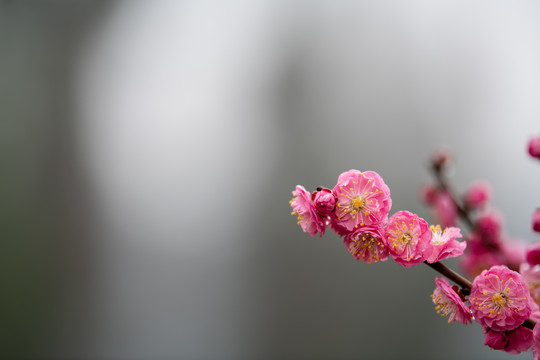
(437, 238)
(358, 203)
(406, 238)
(499, 299)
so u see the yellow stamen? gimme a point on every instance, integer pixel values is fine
(358, 202)
(499, 299)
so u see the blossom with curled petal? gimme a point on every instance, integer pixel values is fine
(500, 299)
(368, 244)
(362, 198)
(308, 217)
(449, 302)
(443, 244)
(407, 236)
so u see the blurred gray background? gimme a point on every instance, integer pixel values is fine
(149, 149)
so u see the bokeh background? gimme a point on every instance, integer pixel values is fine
(149, 149)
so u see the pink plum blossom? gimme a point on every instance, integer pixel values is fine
(308, 218)
(449, 302)
(478, 194)
(324, 201)
(407, 236)
(443, 244)
(500, 299)
(368, 244)
(512, 341)
(362, 199)
(534, 147)
(445, 209)
(536, 221)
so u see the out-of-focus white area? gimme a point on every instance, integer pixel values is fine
(187, 125)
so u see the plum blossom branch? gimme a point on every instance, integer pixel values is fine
(499, 298)
(463, 212)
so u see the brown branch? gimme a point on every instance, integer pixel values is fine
(451, 274)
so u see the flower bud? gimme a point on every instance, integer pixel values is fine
(428, 193)
(324, 201)
(534, 147)
(533, 254)
(490, 226)
(478, 194)
(445, 209)
(441, 158)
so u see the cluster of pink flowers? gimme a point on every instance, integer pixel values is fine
(504, 296)
(499, 300)
(357, 208)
